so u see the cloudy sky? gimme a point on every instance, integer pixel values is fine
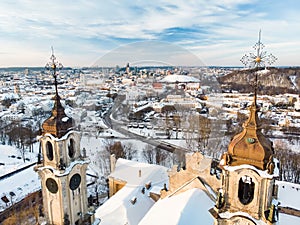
(217, 32)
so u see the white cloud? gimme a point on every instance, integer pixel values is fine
(90, 28)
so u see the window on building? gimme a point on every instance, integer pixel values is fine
(246, 190)
(71, 148)
(49, 150)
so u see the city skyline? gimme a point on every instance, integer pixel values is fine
(216, 32)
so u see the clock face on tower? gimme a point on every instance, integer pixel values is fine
(51, 185)
(75, 181)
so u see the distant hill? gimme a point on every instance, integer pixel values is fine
(271, 81)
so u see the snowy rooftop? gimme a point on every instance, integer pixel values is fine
(285, 219)
(119, 210)
(179, 78)
(138, 174)
(189, 207)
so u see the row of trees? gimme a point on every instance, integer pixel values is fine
(23, 136)
(289, 162)
(149, 154)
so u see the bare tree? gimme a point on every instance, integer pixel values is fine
(114, 148)
(289, 163)
(189, 137)
(155, 155)
(160, 156)
(104, 162)
(204, 130)
(129, 151)
(148, 154)
(177, 123)
(179, 158)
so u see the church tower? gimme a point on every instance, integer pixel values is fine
(247, 195)
(63, 168)
(248, 172)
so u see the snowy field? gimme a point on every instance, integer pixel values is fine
(11, 159)
(19, 185)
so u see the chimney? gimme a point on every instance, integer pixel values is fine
(112, 163)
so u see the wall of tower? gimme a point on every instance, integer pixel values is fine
(76, 199)
(197, 166)
(52, 201)
(234, 192)
(66, 169)
(64, 150)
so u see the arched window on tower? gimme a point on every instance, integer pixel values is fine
(71, 148)
(246, 190)
(49, 150)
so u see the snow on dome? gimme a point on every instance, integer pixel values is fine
(65, 119)
(180, 79)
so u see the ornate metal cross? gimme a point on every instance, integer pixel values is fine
(258, 60)
(54, 66)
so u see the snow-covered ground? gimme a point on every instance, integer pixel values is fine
(289, 194)
(11, 159)
(20, 184)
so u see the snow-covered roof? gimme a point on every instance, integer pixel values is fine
(138, 174)
(189, 207)
(179, 78)
(119, 210)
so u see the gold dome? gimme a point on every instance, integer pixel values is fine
(250, 146)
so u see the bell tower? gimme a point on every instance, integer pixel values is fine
(247, 194)
(63, 168)
(248, 177)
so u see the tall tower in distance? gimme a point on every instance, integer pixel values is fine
(127, 68)
(63, 168)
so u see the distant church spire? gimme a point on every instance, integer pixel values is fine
(58, 123)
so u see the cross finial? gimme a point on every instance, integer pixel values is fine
(260, 59)
(54, 66)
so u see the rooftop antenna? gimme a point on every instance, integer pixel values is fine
(258, 60)
(54, 66)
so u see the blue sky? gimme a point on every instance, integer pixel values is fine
(217, 32)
